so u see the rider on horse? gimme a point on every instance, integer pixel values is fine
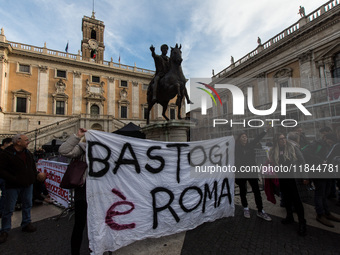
(162, 64)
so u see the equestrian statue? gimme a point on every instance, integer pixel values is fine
(168, 81)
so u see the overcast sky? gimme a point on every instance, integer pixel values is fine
(210, 31)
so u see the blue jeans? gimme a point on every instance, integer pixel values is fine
(11, 196)
(2, 188)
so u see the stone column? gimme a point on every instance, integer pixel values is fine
(157, 108)
(306, 70)
(329, 63)
(135, 100)
(3, 65)
(262, 87)
(42, 90)
(111, 96)
(321, 70)
(77, 93)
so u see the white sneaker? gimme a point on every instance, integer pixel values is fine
(264, 216)
(246, 213)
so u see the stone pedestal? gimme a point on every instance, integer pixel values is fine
(168, 131)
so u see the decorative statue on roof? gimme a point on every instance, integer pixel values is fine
(259, 41)
(302, 11)
(168, 81)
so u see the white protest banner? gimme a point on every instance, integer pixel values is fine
(141, 188)
(54, 173)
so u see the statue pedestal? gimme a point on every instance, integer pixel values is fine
(168, 131)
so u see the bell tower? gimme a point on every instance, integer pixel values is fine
(92, 44)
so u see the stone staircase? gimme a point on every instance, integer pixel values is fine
(59, 130)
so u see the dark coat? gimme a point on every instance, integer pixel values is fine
(14, 171)
(246, 156)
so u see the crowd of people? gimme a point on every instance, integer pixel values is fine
(291, 150)
(18, 176)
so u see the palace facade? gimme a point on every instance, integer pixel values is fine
(49, 94)
(304, 55)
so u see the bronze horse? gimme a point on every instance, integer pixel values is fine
(170, 85)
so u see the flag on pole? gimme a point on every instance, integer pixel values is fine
(93, 54)
(66, 48)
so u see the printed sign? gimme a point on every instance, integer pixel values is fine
(54, 173)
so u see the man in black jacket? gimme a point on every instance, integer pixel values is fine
(18, 169)
(5, 143)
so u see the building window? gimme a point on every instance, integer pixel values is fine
(60, 108)
(145, 86)
(21, 104)
(145, 112)
(24, 68)
(284, 84)
(93, 34)
(96, 79)
(123, 112)
(94, 110)
(336, 71)
(61, 74)
(172, 114)
(123, 84)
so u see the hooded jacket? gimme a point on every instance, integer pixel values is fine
(15, 172)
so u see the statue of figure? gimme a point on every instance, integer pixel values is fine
(169, 81)
(232, 60)
(259, 40)
(302, 11)
(162, 65)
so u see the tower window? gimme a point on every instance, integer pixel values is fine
(93, 34)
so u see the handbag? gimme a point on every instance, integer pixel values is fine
(74, 173)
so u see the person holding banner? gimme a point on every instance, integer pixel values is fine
(75, 147)
(245, 157)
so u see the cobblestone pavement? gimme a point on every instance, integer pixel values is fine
(234, 235)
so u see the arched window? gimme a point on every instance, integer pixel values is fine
(94, 110)
(93, 34)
